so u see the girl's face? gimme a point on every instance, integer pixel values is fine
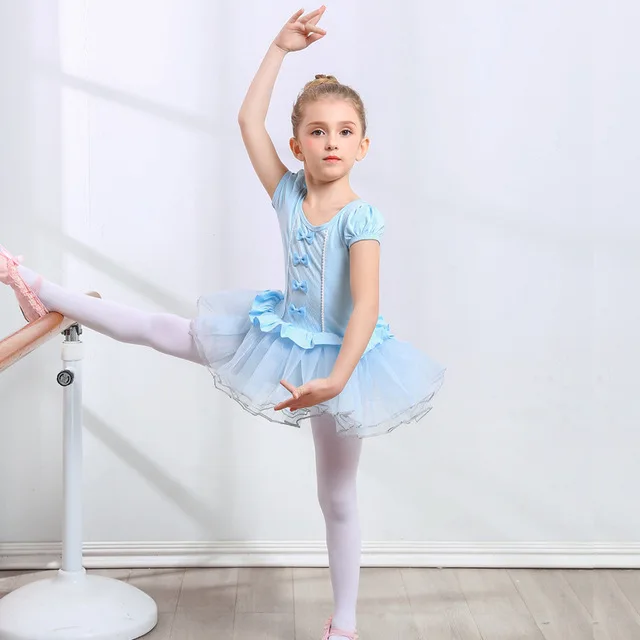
(329, 139)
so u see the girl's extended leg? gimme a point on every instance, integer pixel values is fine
(337, 466)
(163, 332)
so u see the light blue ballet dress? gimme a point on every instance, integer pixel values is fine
(250, 340)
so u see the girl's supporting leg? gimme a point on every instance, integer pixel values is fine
(337, 466)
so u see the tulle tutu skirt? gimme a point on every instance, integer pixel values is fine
(246, 347)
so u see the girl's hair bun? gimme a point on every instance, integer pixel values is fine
(321, 79)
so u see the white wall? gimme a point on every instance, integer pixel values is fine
(503, 157)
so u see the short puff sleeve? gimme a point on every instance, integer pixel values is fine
(288, 190)
(364, 223)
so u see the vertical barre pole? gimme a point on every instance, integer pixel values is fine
(71, 379)
(72, 604)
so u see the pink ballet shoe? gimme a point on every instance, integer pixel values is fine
(332, 631)
(30, 305)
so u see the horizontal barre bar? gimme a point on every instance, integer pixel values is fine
(31, 336)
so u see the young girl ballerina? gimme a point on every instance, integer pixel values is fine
(320, 350)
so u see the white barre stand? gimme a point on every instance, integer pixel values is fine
(74, 605)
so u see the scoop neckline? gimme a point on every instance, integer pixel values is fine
(328, 222)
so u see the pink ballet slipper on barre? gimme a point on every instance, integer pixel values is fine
(30, 305)
(332, 631)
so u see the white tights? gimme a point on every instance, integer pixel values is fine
(163, 332)
(336, 458)
(336, 468)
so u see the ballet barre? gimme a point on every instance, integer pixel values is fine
(72, 605)
(31, 336)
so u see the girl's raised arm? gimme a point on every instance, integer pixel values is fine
(298, 33)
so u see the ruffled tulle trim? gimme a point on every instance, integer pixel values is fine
(346, 425)
(392, 385)
(264, 315)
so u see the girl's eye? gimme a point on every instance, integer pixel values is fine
(319, 132)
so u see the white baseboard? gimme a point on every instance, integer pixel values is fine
(574, 555)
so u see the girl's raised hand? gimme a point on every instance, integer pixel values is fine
(300, 31)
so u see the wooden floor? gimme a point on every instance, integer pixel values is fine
(402, 604)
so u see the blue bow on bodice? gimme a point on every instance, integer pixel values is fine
(301, 311)
(300, 260)
(308, 236)
(300, 286)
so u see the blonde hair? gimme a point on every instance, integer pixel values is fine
(326, 86)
